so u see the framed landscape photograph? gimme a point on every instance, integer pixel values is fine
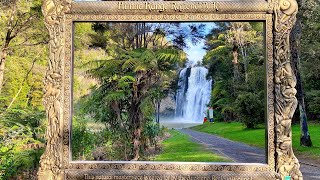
(129, 82)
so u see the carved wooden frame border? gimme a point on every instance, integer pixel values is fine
(278, 16)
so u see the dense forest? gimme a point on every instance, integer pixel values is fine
(134, 63)
(23, 60)
(235, 58)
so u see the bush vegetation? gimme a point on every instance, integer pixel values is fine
(236, 64)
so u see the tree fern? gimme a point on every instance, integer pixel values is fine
(126, 81)
(115, 96)
(130, 63)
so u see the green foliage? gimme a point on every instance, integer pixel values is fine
(31, 86)
(129, 73)
(25, 117)
(83, 33)
(21, 140)
(313, 99)
(21, 111)
(229, 113)
(147, 108)
(91, 143)
(151, 131)
(257, 26)
(250, 108)
(81, 140)
(22, 91)
(238, 85)
(310, 47)
(220, 101)
(17, 161)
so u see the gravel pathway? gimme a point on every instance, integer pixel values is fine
(242, 153)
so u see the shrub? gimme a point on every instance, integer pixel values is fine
(19, 152)
(313, 104)
(21, 142)
(82, 141)
(229, 114)
(151, 131)
(250, 109)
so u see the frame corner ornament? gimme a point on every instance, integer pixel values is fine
(285, 81)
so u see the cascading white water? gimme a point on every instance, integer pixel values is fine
(193, 94)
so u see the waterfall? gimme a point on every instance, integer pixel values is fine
(193, 94)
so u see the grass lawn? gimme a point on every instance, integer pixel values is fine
(314, 151)
(179, 147)
(256, 137)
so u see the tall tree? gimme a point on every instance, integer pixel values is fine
(310, 46)
(127, 84)
(238, 78)
(22, 63)
(19, 19)
(295, 43)
(241, 35)
(218, 60)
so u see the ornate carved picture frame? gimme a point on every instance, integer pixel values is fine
(278, 17)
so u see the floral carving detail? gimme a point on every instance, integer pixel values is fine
(285, 81)
(51, 160)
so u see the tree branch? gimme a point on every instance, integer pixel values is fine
(23, 82)
(24, 26)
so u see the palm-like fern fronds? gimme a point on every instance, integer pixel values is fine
(115, 96)
(104, 68)
(126, 81)
(130, 64)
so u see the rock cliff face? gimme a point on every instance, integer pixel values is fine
(167, 107)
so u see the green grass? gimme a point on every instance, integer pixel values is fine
(179, 147)
(256, 137)
(234, 131)
(314, 151)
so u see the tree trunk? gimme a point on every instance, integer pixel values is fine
(144, 36)
(4, 49)
(141, 35)
(295, 37)
(305, 139)
(236, 73)
(135, 119)
(136, 143)
(137, 35)
(245, 64)
(158, 111)
(3, 57)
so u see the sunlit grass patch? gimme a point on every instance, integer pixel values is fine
(179, 147)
